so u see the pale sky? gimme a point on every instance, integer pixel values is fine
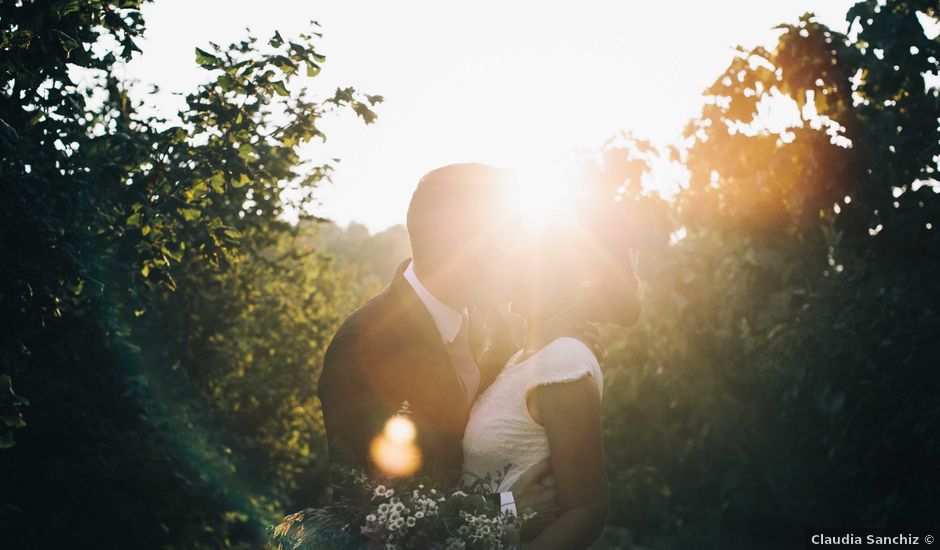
(511, 83)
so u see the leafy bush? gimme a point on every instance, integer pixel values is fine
(155, 317)
(784, 375)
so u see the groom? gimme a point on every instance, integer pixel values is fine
(425, 339)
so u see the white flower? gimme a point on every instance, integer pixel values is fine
(410, 522)
(371, 518)
(380, 491)
(419, 514)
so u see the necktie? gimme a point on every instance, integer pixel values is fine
(466, 367)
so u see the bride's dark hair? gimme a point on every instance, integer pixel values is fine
(612, 295)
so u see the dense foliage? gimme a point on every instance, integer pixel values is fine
(157, 320)
(785, 373)
(162, 327)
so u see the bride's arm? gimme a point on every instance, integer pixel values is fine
(570, 413)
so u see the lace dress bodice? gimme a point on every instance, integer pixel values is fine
(501, 434)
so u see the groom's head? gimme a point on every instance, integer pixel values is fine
(463, 234)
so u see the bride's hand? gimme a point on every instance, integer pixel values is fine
(535, 495)
(511, 537)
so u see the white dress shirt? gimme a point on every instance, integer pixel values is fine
(446, 318)
(454, 327)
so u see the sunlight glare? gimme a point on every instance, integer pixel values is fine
(542, 194)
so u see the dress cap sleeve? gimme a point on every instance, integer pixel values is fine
(564, 360)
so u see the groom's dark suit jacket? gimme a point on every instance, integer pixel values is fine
(390, 351)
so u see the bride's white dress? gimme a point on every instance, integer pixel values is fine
(500, 432)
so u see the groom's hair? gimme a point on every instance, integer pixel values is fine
(452, 206)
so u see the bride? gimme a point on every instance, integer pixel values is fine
(545, 403)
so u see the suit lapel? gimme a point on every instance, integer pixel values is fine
(431, 370)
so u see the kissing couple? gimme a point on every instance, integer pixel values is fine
(485, 334)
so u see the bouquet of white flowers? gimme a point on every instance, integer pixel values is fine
(402, 513)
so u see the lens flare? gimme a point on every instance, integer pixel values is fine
(400, 430)
(541, 194)
(394, 451)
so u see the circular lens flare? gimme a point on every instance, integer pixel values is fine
(394, 451)
(400, 430)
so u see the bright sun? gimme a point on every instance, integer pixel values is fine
(542, 194)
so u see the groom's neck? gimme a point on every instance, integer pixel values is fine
(441, 286)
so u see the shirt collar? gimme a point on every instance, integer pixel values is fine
(447, 319)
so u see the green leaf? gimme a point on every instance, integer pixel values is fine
(225, 82)
(189, 214)
(67, 7)
(364, 111)
(13, 420)
(343, 95)
(205, 58)
(170, 254)
(9, 132)
(197, 191)
(242, 180)
(218, 182)
(68, 43)
(280, 88)
(312, 69)
(246, 151)
(134, 219)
